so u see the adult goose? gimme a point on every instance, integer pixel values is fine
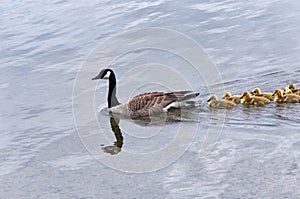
(145, 104)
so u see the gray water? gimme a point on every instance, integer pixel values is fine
(43, 45)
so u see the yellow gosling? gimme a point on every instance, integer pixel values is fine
(254, 100)
(294, 89)
(287, 98)
(235, 98)
(287, 91)
(257, 92)
(214, 102)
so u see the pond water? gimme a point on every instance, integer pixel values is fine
(43, 46)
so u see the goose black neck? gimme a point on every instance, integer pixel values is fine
(112, 98)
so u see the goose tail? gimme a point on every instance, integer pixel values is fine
(182, 97)
(189, 96)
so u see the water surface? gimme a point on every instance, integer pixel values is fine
(43, 44)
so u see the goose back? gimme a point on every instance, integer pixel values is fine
(151, 103)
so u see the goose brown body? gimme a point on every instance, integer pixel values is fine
(257, 92)
(151, 103)
(247, 99)
(235, 98)
(287, 98)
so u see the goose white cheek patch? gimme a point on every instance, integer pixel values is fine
(107, 75)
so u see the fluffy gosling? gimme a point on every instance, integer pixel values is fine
(257, 92)
(287, 98)
(287, 91)
(254, 100)
(214, 102)
(294, 89)
(235, 98)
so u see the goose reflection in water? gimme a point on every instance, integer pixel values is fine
(145, 121)
(173, 116)
(117, 146)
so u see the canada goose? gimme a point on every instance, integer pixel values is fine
(145, 104)
(257, 92)
(294, 89)
(254, 100)
(287, 98)
(235, 99)
(214, 102)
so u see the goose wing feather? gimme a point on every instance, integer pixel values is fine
(154, 102)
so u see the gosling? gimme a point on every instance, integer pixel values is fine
(246, 99)
(287, 98)
(214, 102)
(287, 91)
(235, 99)
(257, 92)
(294, 89)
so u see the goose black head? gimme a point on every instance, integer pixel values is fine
(104, 74)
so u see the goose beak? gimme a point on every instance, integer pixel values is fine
(223, 97)
(273, 94)
(208, 100)
(251, 93)
(97, 77)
